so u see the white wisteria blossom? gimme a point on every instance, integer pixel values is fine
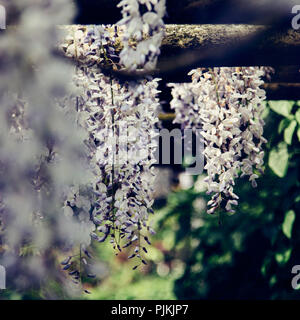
(226, 104)
(120, 119)
(145, 29)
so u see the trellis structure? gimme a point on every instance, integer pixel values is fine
(187, 46)
(223, 45)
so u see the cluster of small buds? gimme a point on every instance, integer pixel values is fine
(226, 104)
(120, 120)
(91, 45)
(79, 266)
(146, 29)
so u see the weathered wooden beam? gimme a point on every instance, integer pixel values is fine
(187, 46)
(287, 74)
(226, 45)
(205, 36)
(274, 91)
(282, 91)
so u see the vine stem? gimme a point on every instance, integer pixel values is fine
(107, 60)
(216, 85)
(113, 157)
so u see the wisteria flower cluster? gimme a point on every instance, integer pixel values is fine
(120, 120)
(143, 22)
(76, 146)
(42, 149)
(226, 104)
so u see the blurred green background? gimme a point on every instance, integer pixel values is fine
(248, 255)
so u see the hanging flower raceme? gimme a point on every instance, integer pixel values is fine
(120, 119)
(41, 146)
(226, 104)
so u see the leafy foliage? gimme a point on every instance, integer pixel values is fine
(249, 255)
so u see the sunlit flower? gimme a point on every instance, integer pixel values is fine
(147, 29)
(226, 104)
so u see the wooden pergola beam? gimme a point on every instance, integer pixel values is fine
(274, 91)
(210, 35)
(281, 48)
(227, 45)
(282, 91)
(220, 45)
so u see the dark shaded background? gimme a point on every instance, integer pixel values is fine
(190, 11)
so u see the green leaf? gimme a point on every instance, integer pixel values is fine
(266, 111)
(282, 107)
(283, 258)
(288, 222)
(297, 116)
(278, 159)
(289, 131)
(284, 123)
(273, 280)
(298, 134)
